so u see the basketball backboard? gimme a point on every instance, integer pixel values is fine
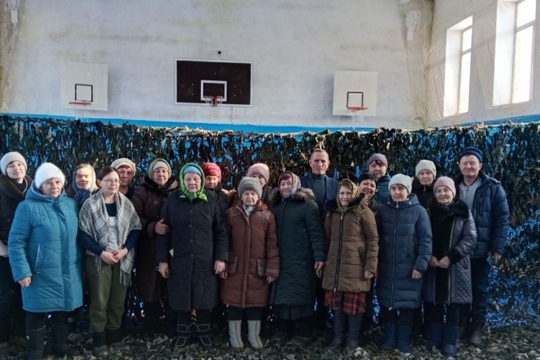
(84, 85)
(355, 93)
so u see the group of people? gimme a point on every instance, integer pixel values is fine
(310, 247)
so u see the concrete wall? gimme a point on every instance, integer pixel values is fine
(295, 47)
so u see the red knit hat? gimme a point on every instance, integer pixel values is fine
(211, 169)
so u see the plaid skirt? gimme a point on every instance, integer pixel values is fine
(351, 303)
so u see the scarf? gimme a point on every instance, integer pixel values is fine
(296, 185)
(184, 193)
(350, 185)
(94, 220)
(248, 209)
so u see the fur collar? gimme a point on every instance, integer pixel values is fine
(302, 195)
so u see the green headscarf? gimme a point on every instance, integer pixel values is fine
(184, 193)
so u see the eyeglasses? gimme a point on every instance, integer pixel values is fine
(111, 181)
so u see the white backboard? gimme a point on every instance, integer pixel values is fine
(84, 86)
(355, 89)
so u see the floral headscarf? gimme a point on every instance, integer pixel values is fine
(184, 193)
(296, 185)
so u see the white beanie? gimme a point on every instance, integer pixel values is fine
(9, 158)
(124, 162)
(426, 165)
(401, 180)
(48, 171)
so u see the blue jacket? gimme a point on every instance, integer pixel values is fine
(43, 245)
(404, 245)
(491, 215)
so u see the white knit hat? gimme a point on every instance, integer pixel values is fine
(401, 180)
(426, 165)
(48, 171)
(9, 158)
(124, 162)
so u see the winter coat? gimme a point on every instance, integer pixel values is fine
(382, 195)
(43, 245)
(253, 255)
(353, 247)
(10, 198)
(404, 246)
(491, 215)
(198, 238)
(223, 198)
(301, 244)
(424, 193)
(266, 197)
(148, 200)
(454, 235)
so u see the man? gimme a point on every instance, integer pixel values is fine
(83, 184)
(487, 201)
(325, 189)
(126, 169)
(377, 164)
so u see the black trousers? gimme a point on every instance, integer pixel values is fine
(252, 313)
(203, 317)
(11, 308)
(36, 321)
(398, 316)
(435, 313)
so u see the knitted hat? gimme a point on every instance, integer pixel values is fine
(426, 165)
(471, 150)
(445, 181)
(249, 183)
(157, 164)
(367, 176)
(124, 162)
(377, 157)
(9, 158)
(261, 169)
(401, 180)
(193, 169)
(48, 171)
(211, 169)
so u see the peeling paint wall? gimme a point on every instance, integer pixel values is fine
(295, 48)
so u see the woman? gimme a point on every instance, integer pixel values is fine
(108, 230)
(83, 184)
(192, 254)
(261, 172)
(447, 283)
(351, 262)
(253, 263)
(212, 182)
(46, 260)
(148, 200)
(422, 185)
(13, 187)
(367, 185)
(404, 251)
(301, 255)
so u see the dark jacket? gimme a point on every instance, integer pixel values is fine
(253, 255)
(382, 195)
(198, 238)
(301, 244)
(223, 197)
(404, 246)
(330, 194)
(424, 193)
(148, 200)
(491, 215)
(353, 245)
(454, 235)
(10, 198)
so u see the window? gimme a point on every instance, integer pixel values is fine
(514, 51)
(458, 68)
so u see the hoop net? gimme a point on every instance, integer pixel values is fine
(356, 112)
(214, 101)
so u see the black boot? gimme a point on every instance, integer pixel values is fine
(182, 335)
(389, 336)
(451, 334)
(114, 340)
(476, 336)
(355, 323)
(202, 331)
(340, 320)
(60, 347)
(435, 336)
(35, 341)
(99, 345)
(403, 338)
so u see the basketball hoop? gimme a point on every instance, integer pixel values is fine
(82, 103)
(355, 113)
(214, 101)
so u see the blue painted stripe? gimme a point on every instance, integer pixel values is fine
(251, 127)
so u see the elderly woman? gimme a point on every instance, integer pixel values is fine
(109, 229)
(126, 170)
(351, 262)
(192, 254)
(301, 256)
(422, 185)
(46, 260)
(404, 251)
(83, 184)
(148, 201)
(448, 279)
(13, 187)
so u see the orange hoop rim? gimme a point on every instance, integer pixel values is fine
(213, 100)
(80, 103)
(356, 108)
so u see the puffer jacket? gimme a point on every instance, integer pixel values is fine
(301, 244)
(491, 215)
(404, 246)
(43, 245)
(424, 193)
(253, 255)
(454, 232)
(353, 245)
